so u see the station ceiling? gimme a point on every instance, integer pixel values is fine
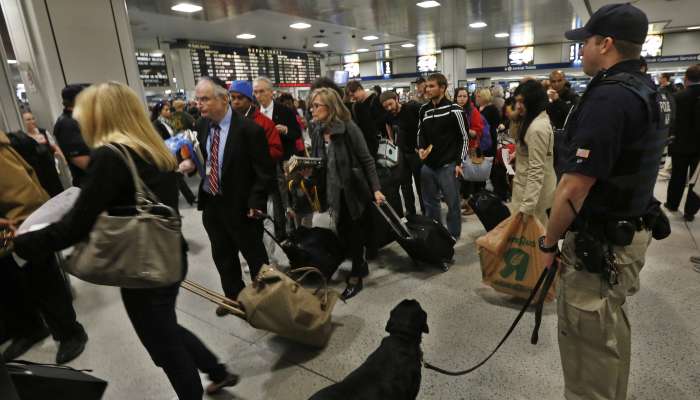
(342, 24)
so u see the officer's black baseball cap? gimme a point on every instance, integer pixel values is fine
(618, 21)
(70, 92)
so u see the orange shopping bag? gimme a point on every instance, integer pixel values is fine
(511, 261)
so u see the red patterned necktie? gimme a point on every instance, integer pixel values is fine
(214, 160)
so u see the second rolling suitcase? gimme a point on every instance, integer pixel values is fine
(424, 239)
(489, 208)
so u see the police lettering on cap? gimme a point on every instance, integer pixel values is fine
(618, 21)
(242, 87)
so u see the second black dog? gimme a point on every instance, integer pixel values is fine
(393, 371)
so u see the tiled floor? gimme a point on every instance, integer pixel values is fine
(466, 320)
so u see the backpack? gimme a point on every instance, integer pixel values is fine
(486, 141)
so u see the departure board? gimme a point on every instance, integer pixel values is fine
(152, 68)
(229, 63)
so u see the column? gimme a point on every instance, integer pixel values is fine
(61, 42)
(10, 119)
(454, 64)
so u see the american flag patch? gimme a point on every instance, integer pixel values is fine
(583, 153)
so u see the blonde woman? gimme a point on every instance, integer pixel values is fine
(340, 143)
(498, 177)
(113, 113)
(535, 180)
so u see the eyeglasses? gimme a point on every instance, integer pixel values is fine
(203, 99)
(317, 105)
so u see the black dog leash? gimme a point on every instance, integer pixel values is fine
(545, 282)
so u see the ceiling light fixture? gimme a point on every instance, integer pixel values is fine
(245, 36)
(300, 25)
(12, 61)
(408, 45)
(428, 4)
(370, 37)
(693, 28)
(186, 8)
(502, 35)
(478, 25)
(320, 44)
(363, 50)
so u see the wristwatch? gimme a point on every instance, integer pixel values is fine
(545, 249)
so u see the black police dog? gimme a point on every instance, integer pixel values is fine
(393, 371)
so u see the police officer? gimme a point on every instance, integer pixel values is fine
(612, 144)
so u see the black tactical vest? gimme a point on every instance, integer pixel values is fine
(629, 189)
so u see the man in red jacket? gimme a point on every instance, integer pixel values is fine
(242, 102)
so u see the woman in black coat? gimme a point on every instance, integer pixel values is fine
(340, 143)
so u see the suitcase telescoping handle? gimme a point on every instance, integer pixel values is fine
(395, 222)
(231, 306)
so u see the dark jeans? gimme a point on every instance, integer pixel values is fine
(683, 168)
(411, 167)
(34, 295)
(437, 181)
(227, 240)
(173, 348)
(354, 236)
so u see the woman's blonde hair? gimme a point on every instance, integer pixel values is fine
(113, 113)
(331, 99)
(485, 94)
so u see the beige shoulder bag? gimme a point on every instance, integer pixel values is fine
(137, 251)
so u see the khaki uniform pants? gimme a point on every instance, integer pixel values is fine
(594, 332)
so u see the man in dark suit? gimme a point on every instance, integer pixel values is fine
(285, 121)
(685, 146)
(234, 190)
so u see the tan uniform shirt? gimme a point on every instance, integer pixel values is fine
(20, 191)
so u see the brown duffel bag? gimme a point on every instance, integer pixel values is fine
(278, 303)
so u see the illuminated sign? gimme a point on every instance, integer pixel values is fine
(521, 56)
(576, 53)
(426, 63)
(353, 69)
(387, 67)
(652, 46)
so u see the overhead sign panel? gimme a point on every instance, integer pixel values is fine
(652, 46)
(426, 63)
(521, 56)
(153, 70)
(229, 63)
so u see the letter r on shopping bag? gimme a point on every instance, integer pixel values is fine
(516, 262)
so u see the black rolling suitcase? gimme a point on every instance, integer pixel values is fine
(313, 247)
(424, 239)
(41, 382)
(489, 208)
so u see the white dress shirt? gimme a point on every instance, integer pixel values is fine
(267, 111)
